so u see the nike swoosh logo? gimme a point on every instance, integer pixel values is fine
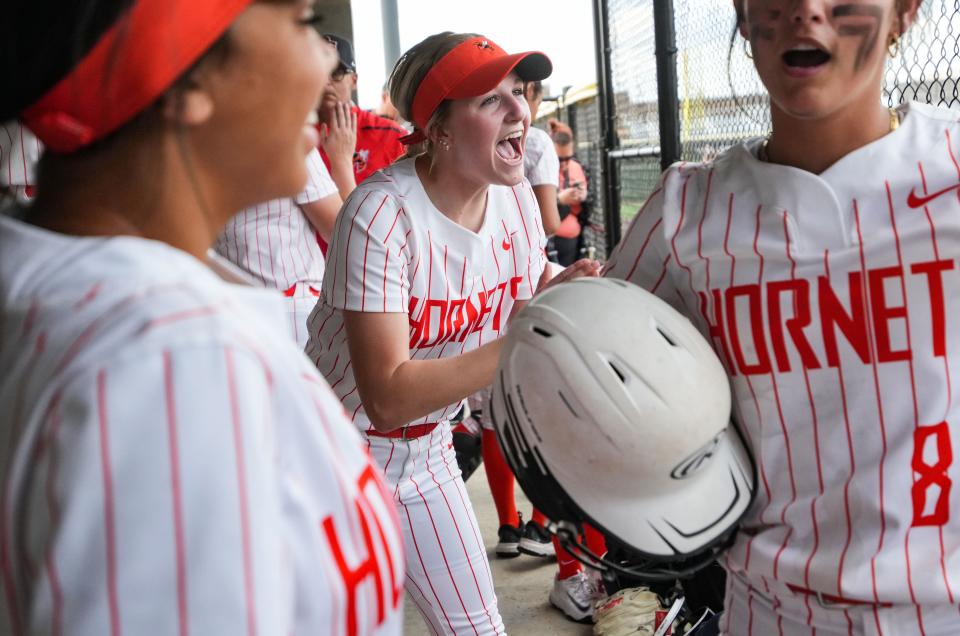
(506, 245)
(918, 202)
(580, 606)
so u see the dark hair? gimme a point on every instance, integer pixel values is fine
(38, 51)
(42, 41)
(537, 87)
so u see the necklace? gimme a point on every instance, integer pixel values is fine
(763, 155)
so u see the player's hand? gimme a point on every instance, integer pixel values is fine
(585, 267)
(570, 196)
(339, 138)
(556, 126)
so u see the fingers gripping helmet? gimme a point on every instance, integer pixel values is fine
(612, 409)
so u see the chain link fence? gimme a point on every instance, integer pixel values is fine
(637, 123)
(721, 98)
(583, 116)
(928, 65)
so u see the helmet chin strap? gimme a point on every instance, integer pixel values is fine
(642, 569)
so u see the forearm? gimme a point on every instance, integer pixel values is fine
(322, 214)
(417, 388)
(547, 200)
(342, 174)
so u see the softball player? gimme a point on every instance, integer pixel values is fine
(19, 152)
(820, 263)
(541, 166)
(171, 462)
(274, 242)
(429, 258)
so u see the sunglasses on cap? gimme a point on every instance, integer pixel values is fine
(345, 53)
(341, 72)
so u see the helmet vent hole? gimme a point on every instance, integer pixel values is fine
(620, 374)
(667, 337)
(542, 332)
(567, 404)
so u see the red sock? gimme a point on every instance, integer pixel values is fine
(500, 479)
(566, 564)
(539, 517)
(594, 540)
(569, 566)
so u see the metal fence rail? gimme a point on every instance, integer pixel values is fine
(720, 100)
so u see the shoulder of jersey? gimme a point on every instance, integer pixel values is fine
(684, 170)
(687, 179)
(538, 135)
(395, 180)
(929, 111)
(536, 143)
(181, 305)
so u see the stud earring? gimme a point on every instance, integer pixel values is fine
(893, 47)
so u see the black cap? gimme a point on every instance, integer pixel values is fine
(344, 49)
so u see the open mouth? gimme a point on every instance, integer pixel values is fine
(805, 56)
(509, 148)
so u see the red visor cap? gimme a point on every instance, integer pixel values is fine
(472, 68)
(129, 67)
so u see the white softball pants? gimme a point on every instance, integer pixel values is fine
(448, 574)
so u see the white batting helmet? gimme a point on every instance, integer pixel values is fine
(612, 409)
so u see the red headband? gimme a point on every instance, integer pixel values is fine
(470, 69)
(134, 62)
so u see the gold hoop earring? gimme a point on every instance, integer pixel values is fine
(747, 49)
(893, 47)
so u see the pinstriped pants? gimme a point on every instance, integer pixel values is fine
(299, 307)
(448, 575)
(773, 609)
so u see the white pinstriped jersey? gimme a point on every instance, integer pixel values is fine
(541, 166)
(171, 463)
(834, 302)
(19, 153)
(274, 241)
(393, 251)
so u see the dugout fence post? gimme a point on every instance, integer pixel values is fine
(668, 103)
(391, 34)
(608, 123)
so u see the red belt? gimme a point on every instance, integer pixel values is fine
(826, 600)
(405, 432)
(293, 289)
